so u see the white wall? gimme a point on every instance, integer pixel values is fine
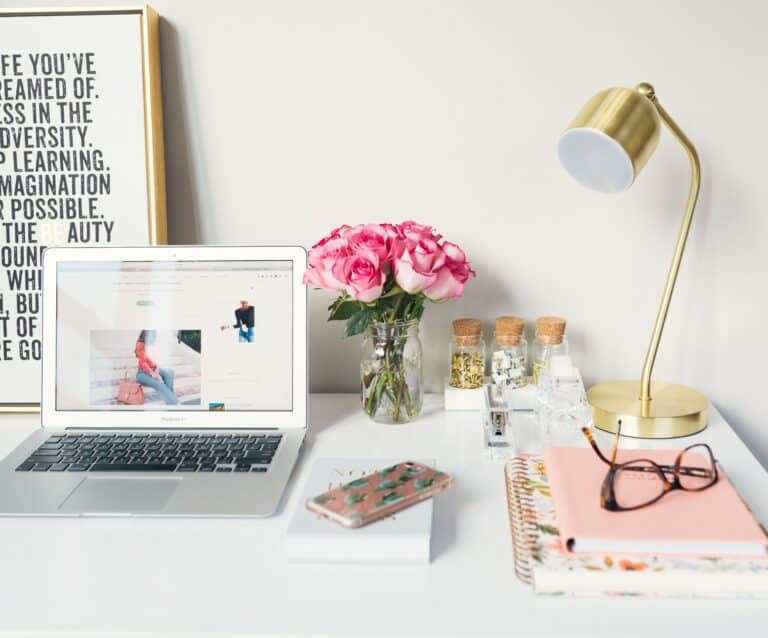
(286, 118)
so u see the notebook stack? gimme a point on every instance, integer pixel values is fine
(686, 544)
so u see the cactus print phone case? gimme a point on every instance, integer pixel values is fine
(380, 494)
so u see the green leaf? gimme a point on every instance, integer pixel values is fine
(418, 309)
(358, 322)
(343, 309)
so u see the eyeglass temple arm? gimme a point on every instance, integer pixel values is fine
(616, 443)
(588, 434)
(684, 469)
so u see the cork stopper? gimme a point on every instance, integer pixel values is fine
(509, 330)
(466, 332)
(550, 330)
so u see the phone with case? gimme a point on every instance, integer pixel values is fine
(379, 494)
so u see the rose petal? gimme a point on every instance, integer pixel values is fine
(410, 280)
(445, 286)
(366, 295)
(329, 248)
(322, 277)
(453, 252)
(371, 237)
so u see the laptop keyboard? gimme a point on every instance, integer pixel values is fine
(108, 452)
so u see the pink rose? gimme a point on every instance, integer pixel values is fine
(396, 241)
(417, 267)
(372, 237)
(339, 231)
(391, 230)
(452, 276)
(328, 248)
(336, 233)
(322, 258)
(361, 275)
(411, 232)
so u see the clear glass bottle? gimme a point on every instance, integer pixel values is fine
(467, 354)
(561, 403)
(508, 360)
(392, 372)
(550, 341)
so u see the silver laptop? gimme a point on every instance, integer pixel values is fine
(174, 383)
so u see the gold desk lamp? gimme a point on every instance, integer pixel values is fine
(604, 148)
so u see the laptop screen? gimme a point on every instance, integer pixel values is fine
(174, 335)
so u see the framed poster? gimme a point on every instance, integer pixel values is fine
(81, 158)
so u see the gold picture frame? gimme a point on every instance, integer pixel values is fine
(151, 103)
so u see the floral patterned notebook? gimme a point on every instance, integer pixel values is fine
(541, 561)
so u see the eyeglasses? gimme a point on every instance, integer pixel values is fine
(641, 482)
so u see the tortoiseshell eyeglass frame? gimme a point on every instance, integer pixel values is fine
(607, 491)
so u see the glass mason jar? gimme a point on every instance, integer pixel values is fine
(550, 341)
(392, 372)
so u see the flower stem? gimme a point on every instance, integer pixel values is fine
(396, 307)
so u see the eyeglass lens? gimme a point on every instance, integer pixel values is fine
(637, 483)
(697, 468)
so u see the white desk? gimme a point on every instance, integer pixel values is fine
(160, 576)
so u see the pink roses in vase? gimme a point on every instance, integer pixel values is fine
(385, 273)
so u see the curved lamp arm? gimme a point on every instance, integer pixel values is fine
(685, 226)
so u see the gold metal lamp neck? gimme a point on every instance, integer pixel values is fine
(682, 237)
(622, 126)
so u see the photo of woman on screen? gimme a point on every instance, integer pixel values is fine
(150, 374)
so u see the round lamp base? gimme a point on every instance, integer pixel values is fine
(674, 410)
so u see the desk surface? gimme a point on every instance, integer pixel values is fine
(124, 576)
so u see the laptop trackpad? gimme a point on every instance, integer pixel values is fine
(124, 495)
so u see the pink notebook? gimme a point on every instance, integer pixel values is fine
(714, 522)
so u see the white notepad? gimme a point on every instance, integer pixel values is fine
(400, 539)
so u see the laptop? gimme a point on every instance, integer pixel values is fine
(174, 383)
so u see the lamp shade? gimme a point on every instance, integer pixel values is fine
(610, 140)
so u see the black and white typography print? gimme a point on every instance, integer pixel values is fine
(72, 162)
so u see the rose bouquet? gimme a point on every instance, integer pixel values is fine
(385, 274)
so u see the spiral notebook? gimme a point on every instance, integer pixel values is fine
(542, 562)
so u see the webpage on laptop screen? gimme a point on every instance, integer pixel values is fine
(174, 335)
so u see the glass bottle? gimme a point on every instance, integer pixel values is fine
(561, 403)
(508, 361)
(550, 341)
(467, 352)
(392, 372)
